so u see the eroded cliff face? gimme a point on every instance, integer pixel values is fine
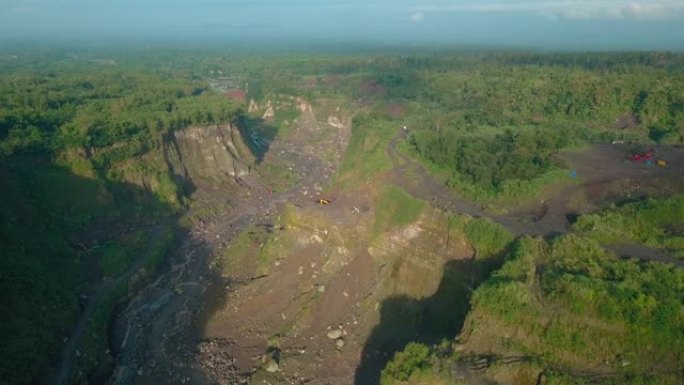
(269, 107)
(320, 128)
(208, 157)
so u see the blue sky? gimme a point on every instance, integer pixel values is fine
(551, 24)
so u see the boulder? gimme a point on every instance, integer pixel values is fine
(335, 334)
(272, 365)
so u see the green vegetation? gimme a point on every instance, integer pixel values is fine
(395, 208)
(238, 250)
(366, 154)
(488, 238)
(657, 223)
(508, 164)
(570, 305)
(489, 126)
(94, 109)
(253, 252)
(414, 359)
(279, 178)
(493, 123)
(93, 360)
(285, 116)
(113, 258)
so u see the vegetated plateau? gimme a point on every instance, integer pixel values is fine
(400, 218)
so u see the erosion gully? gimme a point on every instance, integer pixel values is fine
(155, 338)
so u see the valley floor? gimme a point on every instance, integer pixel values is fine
(316, 293)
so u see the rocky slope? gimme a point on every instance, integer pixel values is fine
(208, 157)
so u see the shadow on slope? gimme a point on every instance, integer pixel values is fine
(60, 233)
(258, 134)
(428, 321)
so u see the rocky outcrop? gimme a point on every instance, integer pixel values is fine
(268, 107)
(269, 113)
(208, 156)
(335, 121)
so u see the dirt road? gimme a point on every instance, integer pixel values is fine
(606, 176)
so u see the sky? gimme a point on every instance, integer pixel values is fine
(543, 24)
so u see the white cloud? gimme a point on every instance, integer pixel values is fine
(573, 9)
(417, 17)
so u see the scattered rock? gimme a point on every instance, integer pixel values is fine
(272, 366)
(339, 344)
(334, 334)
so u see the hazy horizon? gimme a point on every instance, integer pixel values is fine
(534, 24)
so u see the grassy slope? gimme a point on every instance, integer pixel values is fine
(366, 154)
(654, 223)
(574, 309)
(395, 208)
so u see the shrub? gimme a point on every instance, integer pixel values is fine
(414, 358)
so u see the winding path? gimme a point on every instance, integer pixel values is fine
(416, 180)
(421, 185)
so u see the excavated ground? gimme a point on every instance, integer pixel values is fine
(160, 337)
(308, 312)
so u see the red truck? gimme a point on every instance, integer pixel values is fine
(643, 156)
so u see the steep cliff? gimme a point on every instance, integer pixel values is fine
(208, 157)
